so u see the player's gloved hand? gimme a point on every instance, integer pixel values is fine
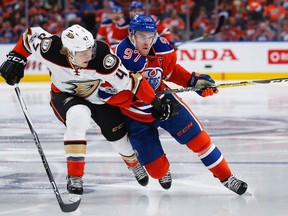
(164, 109)
(12, 70)
(203, 82)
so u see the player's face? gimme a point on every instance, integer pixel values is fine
(82, 58)
(135, 11)
(116, 16)
(144, 41)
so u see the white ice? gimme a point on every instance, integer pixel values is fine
(248, 124)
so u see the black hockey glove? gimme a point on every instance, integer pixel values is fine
(12, 70)
(164, 109)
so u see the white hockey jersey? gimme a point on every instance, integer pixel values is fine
(103, 78)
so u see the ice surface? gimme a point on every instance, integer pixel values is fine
(248, 124)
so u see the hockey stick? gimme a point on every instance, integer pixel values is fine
(65, 207)
(226, 85)
(217, 30)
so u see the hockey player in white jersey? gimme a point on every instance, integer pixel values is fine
(83, 69)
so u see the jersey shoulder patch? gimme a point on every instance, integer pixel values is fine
(45, 44)
(109, 61)
(106, 61)
(50, 50)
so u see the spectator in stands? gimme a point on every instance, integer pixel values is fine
(284, 30)
(136, 7)
(166, 8)
(87, 11)
(255, 9)
(249, 29)
(103, 12)
(7, 34)
(52, 4)
(231, 31)
(284, 3)
(99, 10)
(185, 7)
(175, 24)
(226, 7)
(263, 32)
(55, 22)
(274, 12)
(19, 25)
(8, 7)
(211, 28)
(115, 29)
(71, 14)
(37, 9)
(201, 23)
(120, 27)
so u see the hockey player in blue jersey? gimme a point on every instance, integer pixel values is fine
(145, 52)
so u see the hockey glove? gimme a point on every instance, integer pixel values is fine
(164, 109)
(12, 70)
(203, 82)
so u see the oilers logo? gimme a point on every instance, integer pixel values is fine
(153, 76)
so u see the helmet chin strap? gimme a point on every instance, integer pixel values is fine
(71, 57)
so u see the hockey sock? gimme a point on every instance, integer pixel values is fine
(75, 151)
(210, 155)
(158, 168)
(75, 166)
(215, 162)
(131, 161)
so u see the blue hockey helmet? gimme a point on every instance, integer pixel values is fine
(116, 9)
(142, 22)
(136, 5)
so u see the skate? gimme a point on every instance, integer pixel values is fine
(75, 185)
(166, 181)
(140, 174)
(235, 185)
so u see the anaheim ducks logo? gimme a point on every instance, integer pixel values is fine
(83, 88)
(70, 35)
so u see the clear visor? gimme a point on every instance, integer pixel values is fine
(85, 55)
(145, 37)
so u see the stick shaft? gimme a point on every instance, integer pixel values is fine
(64, 207)
(226, 85)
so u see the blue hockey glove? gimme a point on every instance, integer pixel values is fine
(164, 109)
(203, 82)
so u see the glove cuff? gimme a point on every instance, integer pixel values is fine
(157, 104)
(193, 80)
(16, 57)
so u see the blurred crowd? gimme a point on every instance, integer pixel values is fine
(246, 20)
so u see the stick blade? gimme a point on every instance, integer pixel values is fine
(69, 207)
(220, 24)
(277, 80)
